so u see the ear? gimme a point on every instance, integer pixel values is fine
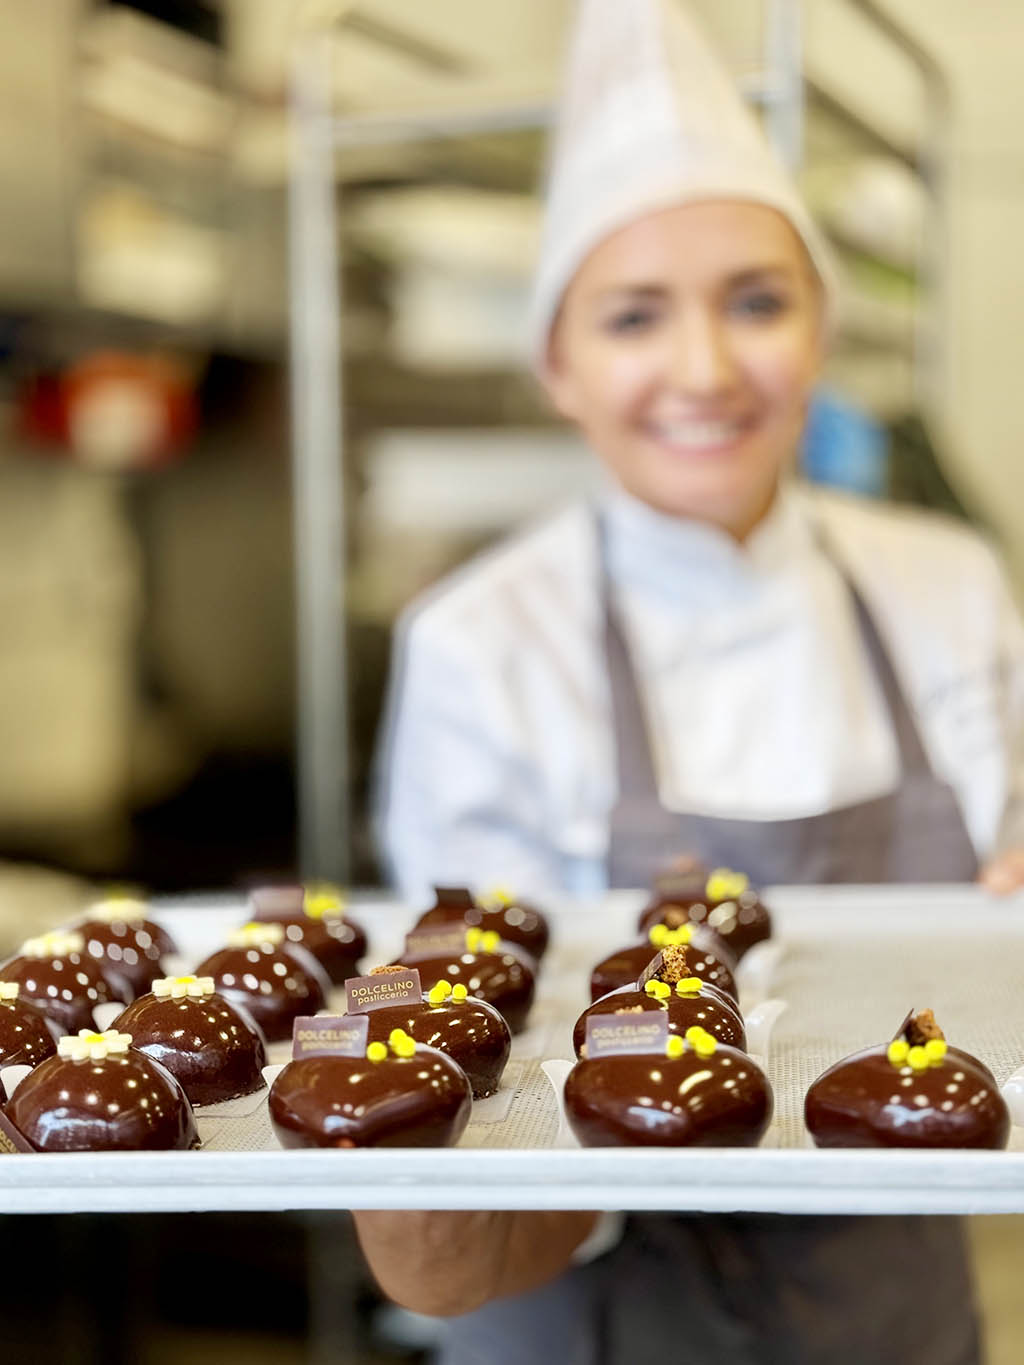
(558, 382)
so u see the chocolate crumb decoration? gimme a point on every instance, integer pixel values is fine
(920, 1027)
(674, 965)
(631, 1009)
(385, 971)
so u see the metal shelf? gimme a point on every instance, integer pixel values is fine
(873, 137)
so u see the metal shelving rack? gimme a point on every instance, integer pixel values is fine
(316, 322)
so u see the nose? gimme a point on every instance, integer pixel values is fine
(701, 361)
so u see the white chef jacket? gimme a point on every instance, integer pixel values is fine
(498, 762)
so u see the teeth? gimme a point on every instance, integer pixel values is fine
(698, 433)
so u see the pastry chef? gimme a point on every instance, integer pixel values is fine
(705, 657)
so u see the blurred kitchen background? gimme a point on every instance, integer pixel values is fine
(149, 712)
(148, 646)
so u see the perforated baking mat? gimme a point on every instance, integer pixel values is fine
(853, 961)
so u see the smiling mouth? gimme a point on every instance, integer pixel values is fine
(697, 438)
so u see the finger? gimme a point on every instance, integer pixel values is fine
(1004, 874)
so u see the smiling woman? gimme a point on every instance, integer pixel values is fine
(703, 659)
(686, 349)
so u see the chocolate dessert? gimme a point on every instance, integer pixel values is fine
(317, 920)
(98, 1094)
(688, 1004)
(707, 955)
(694, 1093)
(273, 980)
(129, 947)
(916, 1091)
(212, 1048)
(470, 1031)
(669, 984)
(497, 911)
(59, 977)
(25, 1039)
(399, 1095)
(729, 905)
(490, 970)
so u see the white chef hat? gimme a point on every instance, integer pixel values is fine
(649, 119)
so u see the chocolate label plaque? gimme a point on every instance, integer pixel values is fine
(330, 1035)
(650, 971)
(11, 1140)
(277, 900)
(454, 897)
(436, 942)
(614, 1035)
(684, 886)
(364, 993)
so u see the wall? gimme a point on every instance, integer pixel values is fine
(980, 46)
(35, 170)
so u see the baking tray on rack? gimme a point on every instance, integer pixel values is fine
(852, 962)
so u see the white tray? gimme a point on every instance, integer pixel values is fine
(856, 959)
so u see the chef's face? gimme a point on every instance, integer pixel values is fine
(685, 349)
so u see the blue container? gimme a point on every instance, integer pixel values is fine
(844, 447)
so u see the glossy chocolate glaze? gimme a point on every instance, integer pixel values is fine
(64, 988)
(336, 941)
(123, 1103)
(741, 922)
(25, 1039)
(128, 951)
(711, 1010)
(505, 979)
(650, 1100)
(421, 1101)
(470, 1031)
(273, 983)
(210, 1046)
(518, 922)
(622, 968)
(866, 1101)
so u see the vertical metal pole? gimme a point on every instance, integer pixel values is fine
(932, 323)
(317, 489)
(932, 316)
(783, 65)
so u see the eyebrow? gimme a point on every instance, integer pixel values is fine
(760, 274)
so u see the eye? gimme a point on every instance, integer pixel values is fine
(638, 318)
(761, 304)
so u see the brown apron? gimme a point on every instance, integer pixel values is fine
(759, 1289)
